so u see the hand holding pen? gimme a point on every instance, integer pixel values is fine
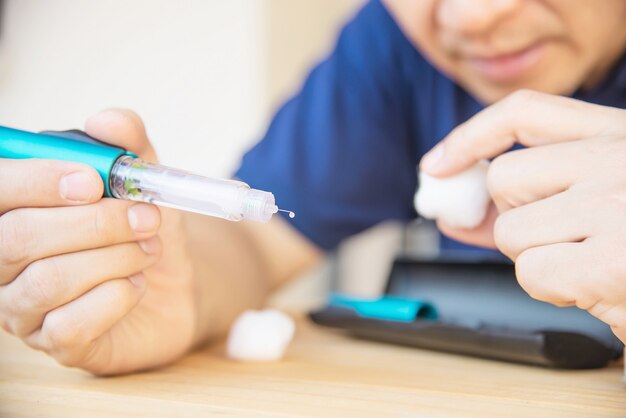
(75, 267)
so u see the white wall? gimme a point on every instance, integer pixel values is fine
(205, 75)
(299, 33)
(192, 69)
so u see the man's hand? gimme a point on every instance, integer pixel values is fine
(101, 284)
(559, 206)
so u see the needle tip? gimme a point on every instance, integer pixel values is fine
(290, 213)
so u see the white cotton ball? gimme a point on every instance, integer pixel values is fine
(460, 201)
(260, 335)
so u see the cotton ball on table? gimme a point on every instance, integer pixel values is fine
(460, 201)
(260, 335)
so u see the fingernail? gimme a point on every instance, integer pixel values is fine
(150, 246)
(77, 187)
(138, 280)
(431, 160)
(143, 217)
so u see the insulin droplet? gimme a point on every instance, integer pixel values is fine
(290, 213)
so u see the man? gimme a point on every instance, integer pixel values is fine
(342, 154)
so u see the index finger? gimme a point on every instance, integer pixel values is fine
(526, 117)
(122, 128)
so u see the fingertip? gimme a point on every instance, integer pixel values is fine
(481, 236)
(431, 161)
(81, 186)
(114, 118)
(138, 280)
(151, 246)
(459, 234)
(442, 162)
(144, 218)
(120, 127)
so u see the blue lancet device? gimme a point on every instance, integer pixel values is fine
(389, 308)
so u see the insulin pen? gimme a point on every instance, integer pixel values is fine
(127, 177)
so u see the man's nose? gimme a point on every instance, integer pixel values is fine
(472, 17)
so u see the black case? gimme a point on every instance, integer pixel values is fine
(483, 312)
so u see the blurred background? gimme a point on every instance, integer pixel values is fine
(206, 76)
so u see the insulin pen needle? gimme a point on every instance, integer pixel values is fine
(291, 214)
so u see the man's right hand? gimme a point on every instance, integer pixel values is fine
(97, 283)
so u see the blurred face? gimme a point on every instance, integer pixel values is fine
(494, 47)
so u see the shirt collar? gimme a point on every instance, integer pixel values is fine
(620, 73)
(612, 90)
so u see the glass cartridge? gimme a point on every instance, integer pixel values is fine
(135, 179)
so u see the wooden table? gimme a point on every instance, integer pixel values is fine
(324, 374)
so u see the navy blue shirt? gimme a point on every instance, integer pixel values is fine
(343, 152)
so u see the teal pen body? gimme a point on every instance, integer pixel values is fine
(16, 144)
(127, 177)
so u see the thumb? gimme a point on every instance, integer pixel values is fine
(122, 128)
(481, 236)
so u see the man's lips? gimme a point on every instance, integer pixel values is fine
(506, 67)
